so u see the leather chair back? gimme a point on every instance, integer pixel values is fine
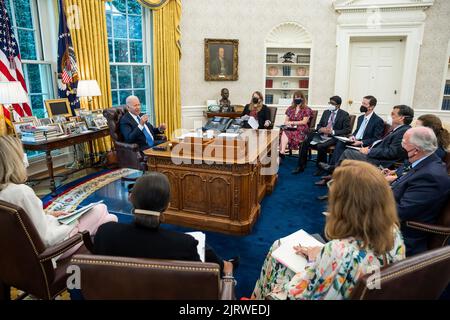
(273, 115)
(436, 240)
(423, 276)
(352, 121)
(113, 116)
(109, 277)
(313, 120)
(20, 245)
(447, 161)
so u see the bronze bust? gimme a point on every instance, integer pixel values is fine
(225, 104)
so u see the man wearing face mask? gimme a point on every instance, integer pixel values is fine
(369, 128)
(423, 190)
(334, 122)
(387, 151)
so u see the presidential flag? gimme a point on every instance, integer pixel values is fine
(68, 75)
(10, 62)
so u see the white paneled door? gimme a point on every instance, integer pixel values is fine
(376, 68)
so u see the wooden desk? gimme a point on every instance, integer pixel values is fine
(59, 143)
(209, 192)
(232, 115)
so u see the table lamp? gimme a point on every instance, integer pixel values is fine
(89, 89)
(12, 92)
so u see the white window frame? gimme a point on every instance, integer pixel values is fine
(147, 59)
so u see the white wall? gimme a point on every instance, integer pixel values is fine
(433, 59)
(250, 21)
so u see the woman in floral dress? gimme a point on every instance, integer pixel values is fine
(297, 120)
(364, 237)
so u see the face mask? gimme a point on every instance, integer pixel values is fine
(408, 151)
(25, 161)
(255, 100)
(389, 120)
(298, 101)
(331, 107)
(363, 109)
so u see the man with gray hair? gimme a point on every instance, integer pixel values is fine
(422, 191)
(135, 127)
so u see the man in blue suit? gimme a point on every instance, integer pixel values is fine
(422, 191)
(370, 128)
(383, 152)
(135, 127)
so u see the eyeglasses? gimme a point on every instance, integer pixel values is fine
(332, 103)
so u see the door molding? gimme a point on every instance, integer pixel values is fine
(359, 19)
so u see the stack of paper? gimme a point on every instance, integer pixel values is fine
(75, 215)
(285, 253)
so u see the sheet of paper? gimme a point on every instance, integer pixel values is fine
(201, 238)
(75, 215)
(228, 135)
(353, 147)
(343, 139)
(286, 255)
(253, 123)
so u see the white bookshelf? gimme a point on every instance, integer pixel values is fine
(283, 78)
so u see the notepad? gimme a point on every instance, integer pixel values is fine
(201, 239)
(343, 139)
(285, 253)
(75, 215)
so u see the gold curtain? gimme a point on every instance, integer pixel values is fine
(2, 122)
(90, 42)
(166, 61)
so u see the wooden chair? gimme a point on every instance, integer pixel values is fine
(26, 264)
(111, 278)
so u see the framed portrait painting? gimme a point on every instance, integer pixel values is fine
(221, 60)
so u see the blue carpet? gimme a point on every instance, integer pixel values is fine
(291, 206)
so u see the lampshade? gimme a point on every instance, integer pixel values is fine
(88, 88)
(12, 92)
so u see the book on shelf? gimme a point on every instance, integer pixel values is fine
(269, 98)
(304, 83)
(286, 70)
(269, 83)
(285, 253)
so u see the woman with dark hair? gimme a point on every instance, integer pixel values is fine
(442, 135)
(144, 238)
(257, 110)
(297, 120)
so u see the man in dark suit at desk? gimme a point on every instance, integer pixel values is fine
(135, 127)
(334, 121)
(383, 152)
(370, 128)
(422, 191)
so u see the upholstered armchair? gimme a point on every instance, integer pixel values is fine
(438, 233)
(109, 277)
(128, 154)
(25, 262)
(423, 276)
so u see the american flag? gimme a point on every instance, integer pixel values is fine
(10, 61)
(68, 75)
